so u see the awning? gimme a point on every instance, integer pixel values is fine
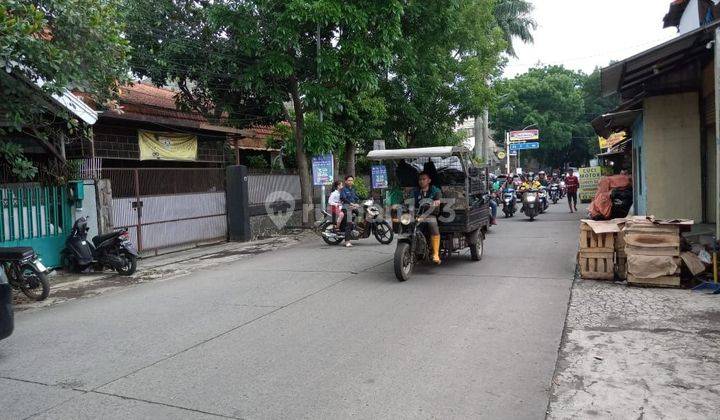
(395, 154)
(65, 99)
(633, 72)
(607, 124)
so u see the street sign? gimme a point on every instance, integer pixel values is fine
(322, 169)
(524, 135)
(501, 155)
(379, 176)
(525, 146)
(512, 153)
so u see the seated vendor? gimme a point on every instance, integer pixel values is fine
(428, 194)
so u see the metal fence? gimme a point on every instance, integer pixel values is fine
(166, 207)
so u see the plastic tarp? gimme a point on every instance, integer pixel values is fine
(602, 206)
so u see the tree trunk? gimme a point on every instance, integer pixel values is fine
(306, 193)
(350, 150)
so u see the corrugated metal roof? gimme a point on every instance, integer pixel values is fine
(633, 72)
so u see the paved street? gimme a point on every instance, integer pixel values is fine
(309, 331)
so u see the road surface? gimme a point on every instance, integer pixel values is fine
(309, 331)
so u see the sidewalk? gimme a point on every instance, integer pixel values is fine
(69, 286)
(638, 353)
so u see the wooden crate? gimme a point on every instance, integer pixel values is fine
(596, 242)
(597, 265)
(666, 281)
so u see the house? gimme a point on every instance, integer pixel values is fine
(37, 210)
(668, 114)
(167, 167)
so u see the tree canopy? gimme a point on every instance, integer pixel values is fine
(76, 43)
(448, 52)
(560, 103)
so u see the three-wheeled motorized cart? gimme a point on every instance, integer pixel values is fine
(464, 213)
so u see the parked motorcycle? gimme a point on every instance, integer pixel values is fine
(509, 202)
(371, 223)
(25, 272)
(113, 250)
(531, 204)
(555, 193)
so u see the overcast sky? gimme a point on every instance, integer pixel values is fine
(583, 34)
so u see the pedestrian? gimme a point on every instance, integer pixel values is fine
(349, 200)
(572, 183)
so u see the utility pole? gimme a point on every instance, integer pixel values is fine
(320, 115)
(507, 151)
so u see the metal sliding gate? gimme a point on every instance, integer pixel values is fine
(164, 207)
(36, 216)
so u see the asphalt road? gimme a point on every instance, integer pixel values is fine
(309, 331)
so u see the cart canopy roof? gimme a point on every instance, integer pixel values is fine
(395, 154)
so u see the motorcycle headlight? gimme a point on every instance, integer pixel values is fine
(531, 199)
(405, 219)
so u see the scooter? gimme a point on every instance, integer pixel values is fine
(25, 272)
(531, 204)
(543, 200)
(509, 202)
(555, 193)
(113, 250)
(371, 223)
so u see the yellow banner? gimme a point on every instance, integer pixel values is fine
(167, 146)
(615, 138)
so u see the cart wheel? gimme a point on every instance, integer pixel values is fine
(477, 250)
(403, 261)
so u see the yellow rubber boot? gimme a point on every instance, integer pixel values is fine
(435, 239)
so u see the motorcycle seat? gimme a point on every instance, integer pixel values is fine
(102, 238)
(16, 253)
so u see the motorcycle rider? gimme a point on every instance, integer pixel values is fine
(426, 192)
(542, 178)
(349, 200)
(529, 184)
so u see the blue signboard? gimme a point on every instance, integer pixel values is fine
(322, 169)
(379, 176)
(525, 146)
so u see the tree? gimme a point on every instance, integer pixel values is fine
(242, 61)
(60, 43)
(448, 51)
(515, 19)
(552, 99)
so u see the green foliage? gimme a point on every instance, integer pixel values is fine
(11, 154)
(515, 19)
(257, 162)
(76, 43)
(560, 103)
(448, 52)
(361, 189)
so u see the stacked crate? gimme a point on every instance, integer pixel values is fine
(597, 254)
(620, 256)
(653, 254)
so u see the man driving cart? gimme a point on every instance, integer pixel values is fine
(428, 195)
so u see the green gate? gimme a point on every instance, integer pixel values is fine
(36, 216)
